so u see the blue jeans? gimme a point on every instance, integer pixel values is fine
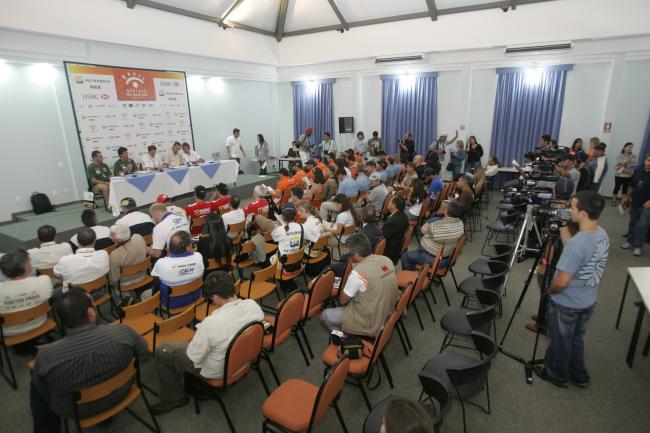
(638, 228)
(419, 256)
(565, 355)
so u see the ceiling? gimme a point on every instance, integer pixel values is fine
(285, 18)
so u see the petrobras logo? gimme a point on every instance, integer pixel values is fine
(78, 79)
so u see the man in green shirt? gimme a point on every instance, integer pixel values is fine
(99, 175)
(124, 164)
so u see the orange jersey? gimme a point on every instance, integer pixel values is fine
(297, 178)
(283, 188)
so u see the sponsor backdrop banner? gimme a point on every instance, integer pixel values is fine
(134, 108)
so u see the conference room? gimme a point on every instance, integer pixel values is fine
(328, 216)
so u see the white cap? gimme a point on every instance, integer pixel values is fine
(443, 134)
(374, 176)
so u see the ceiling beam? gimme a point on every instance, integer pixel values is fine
(232, 7)
(282, 17)
(338, 13)
(246, 27)
(130, 4)
(513, 4)
(433, 9)
(175, 10)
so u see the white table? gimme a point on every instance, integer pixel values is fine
(641, 279)
(507, 170)
(145, 187)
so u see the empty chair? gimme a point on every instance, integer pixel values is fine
(502, 253)
(439, 272)
(494, 282)
(463, 375)
(297, 406)
(260, 285)
(505, 225)
(460, 322)
(140, 317)
(172, 329)
(319, 291)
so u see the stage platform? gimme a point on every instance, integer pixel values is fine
(21, 233)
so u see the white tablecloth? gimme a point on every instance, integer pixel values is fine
(144, 188)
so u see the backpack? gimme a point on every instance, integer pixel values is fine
(40, 203)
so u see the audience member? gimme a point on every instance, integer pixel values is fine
(406, 148)
(432, 175)
(369, 226)
(474, 153)
(181, 266)
(375, 143)
(377, 193)
(199, 209)
(395, 228)
(599, 164)
(86, 264)
(347, 187)
(402, 416)
(131, 250)
(576, 148)
(214, 242)
(171, 207)
(457, 159)
(138, 222)
(205, 355)
(416, 200)
(88, 355)
(103, 233)
(345, 216)
(638, 200)
(492, 168)
(167, 223)
(625, 165)
(369, 294)
(586, 173)
(259, 205)
(49, 252)
(284, 186)
(233, 216)
(362, 180)
(220, 199)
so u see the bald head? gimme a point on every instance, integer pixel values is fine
(418, 159)
(157, 210)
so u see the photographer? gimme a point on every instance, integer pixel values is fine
(406, 148)
(573, 292)
(565, 167)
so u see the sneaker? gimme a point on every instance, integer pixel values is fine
(626, 246)
(543, 374)
(637, 252)
(579, 384)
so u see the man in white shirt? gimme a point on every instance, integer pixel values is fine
(233, 216)
(49, 253)
(205, 355)
(138, 222)
(173, 157)
(151, 161)
(102, 233)
(234, 148)
(190, 156)
(171, 207)
(167, 223)
(86, 264)
(22, 291)
(181, 266)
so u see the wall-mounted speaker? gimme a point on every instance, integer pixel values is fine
(346, 125)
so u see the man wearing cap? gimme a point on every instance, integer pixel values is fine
(304, 144)
(199, 209)
(234, 148)
(138, 222)
(150, 160)
(171, 207)
(190, 156)
(377, 193)
(167, 223)
(173, 157)
(566, 168)
(438, 147)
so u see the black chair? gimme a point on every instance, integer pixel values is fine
(437, 407)
(460, 322)
(463, 375)
(494, 282)
(504, 226)
(503, 253)
(142, 229)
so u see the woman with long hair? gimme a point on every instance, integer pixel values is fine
(416, 199)
(262, 151)
(625, 163)
(317, 187)
(492, 167)
(346, 216)
(593, 142)
(474, 153)
(214, 242)
(457, 159)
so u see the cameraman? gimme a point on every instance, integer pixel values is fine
(406, 148)
(573, 292)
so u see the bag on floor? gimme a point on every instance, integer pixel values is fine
(40, 203)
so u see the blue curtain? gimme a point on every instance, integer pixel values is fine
(528, 105)
(409, 103)
(312, 108)
(645, 144)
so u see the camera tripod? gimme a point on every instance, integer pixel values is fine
(548, 256)
(529, 224)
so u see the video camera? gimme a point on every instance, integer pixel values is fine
(544, 162)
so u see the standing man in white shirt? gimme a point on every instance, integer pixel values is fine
(304, 144)
(190, 156)
(234, 148)
(86, 264)
(205, 355)
(151, 161)
(167, 223)
(49, 253)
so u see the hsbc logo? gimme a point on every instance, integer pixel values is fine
(89, 96)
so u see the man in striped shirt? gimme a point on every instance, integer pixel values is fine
(441, 234)
(89, 354)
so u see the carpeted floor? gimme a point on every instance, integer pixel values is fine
(616, 400)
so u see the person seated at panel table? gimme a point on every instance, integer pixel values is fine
(124, 164)
(190, 156)
(199, 209)
(150, 160)
(220, 199)
(173, 157)
(99, 175)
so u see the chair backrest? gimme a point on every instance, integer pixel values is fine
(510, 217)
(380, 247)
(436, 390)
(292, 258)
(93, 285)
(167, 326)
(46, 271)
(268, 236)
(237, 227)
(320, 291)
(148, 239)
(142, 229)
(407, 239)
(401, 303)
(458, 250)
(346, 274)
(503, 252)
(329, 389)
(318, 196)
(480, 320)
(320, 243)
(288, 315)
(243, 350)
(198, 222)
(245, 248)
(420, 282)
(184, 289)
(381, 340)
(107, 387)
(141, 308)
(24, 316)
(140, 267)
(349, 230)
(109, 249)
(384, 208)
(474, 372)
(495, 282)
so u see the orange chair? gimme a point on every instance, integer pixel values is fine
(361, 368)
(148, 239)
(19, 318)
(454, 258)
(347, 231)
(297, 406)
(140, 317)
(246, 248)
(204, 310)
(172, 329)
(258, 286)
(441, 271)
(236, 229)
(406, 241)
(243, 354)
(384, 208)
(100, 284)
(380, 247)
(270, 247)
(319, 246)
(285, 323)
(398, 313)
(214, 264)
(86, 396)
(319, 292)
(286, 260)
(182, 290)
(344, 278)
(138, 268)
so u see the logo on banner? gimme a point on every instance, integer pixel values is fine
(89, 96)
(78, 79)
(105, 96)
(134, 85)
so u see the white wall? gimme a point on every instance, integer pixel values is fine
(343, 101)
(481, 109)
